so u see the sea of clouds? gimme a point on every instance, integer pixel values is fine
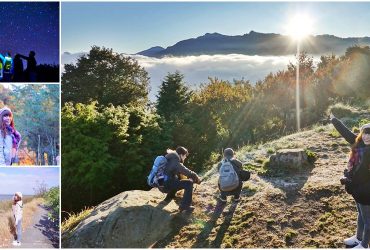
(197, 69)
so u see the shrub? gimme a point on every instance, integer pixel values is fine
(52, 200)
(341, 110)
(311, 156)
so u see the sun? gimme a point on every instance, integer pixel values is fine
(299, 26)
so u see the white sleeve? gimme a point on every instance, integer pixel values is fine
(8, 145)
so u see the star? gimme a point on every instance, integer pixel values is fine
(27, 26)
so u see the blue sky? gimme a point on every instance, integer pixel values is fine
(132, 27)
(24, 179)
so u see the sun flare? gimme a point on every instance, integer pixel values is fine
(299, 26)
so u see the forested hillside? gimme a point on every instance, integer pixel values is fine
(111, 133)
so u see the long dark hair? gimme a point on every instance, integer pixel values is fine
(355, 145)
(182, 151)
(3, 125)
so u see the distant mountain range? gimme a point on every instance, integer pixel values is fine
(254, 43)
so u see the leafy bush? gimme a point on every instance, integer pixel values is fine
(341, 110)
(334, 133)
(52, 200)
(311, 156)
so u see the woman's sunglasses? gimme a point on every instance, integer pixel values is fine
(366, 131)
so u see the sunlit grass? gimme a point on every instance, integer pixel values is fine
(74, 219)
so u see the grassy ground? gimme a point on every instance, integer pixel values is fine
(7, 221)
(306, 208)
(302, 209)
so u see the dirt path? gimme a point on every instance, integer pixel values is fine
(42, 232)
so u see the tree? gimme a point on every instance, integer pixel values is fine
(37, 118)
(216, 119)
(106, 151)
(172, 103)
(106, 77)
(173, 96)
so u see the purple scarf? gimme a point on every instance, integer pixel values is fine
(16, 136)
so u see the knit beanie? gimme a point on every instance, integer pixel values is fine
(365, 126)
(5, 109)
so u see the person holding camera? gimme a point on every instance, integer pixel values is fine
(357, 179)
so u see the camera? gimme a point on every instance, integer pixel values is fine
(346, 179)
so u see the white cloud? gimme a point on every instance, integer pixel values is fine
(197, 69)
(25, 180)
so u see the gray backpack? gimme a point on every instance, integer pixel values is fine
(228, 179)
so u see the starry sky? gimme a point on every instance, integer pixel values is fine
(26, 26)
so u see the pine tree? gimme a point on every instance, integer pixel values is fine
(173, 96)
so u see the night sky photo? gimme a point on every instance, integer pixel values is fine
(26, 26)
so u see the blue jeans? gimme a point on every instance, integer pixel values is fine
(363, 224)
(18, 231)
(171, 186)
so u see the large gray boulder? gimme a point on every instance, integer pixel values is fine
(289, 158)
(132, 219)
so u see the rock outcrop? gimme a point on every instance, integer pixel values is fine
(289, 158)
(128, 220)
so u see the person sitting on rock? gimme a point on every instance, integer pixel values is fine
(172, 184)
(237, 166)
(357, 179)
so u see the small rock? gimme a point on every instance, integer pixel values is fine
(289, 158)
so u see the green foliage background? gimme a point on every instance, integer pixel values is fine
(35, 110)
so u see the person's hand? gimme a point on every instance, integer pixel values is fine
(331, 116)
(196, 179)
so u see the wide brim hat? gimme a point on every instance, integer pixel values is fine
(19, 194)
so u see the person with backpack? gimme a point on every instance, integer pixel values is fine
(10, 138)
(7, 62)
(17, 209)
(230, 179)
(357, 179)
(174, 167)
(1, 67)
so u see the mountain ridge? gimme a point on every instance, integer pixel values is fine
(255, 43)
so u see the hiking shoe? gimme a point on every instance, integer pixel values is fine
(223, 200)
(359, 245)
(188, 209)
(237, 199)
(14, 243)
(351, 241)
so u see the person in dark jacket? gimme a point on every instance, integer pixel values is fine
(237, 165)
(31, 69)
(172, 183)
(357, 179)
